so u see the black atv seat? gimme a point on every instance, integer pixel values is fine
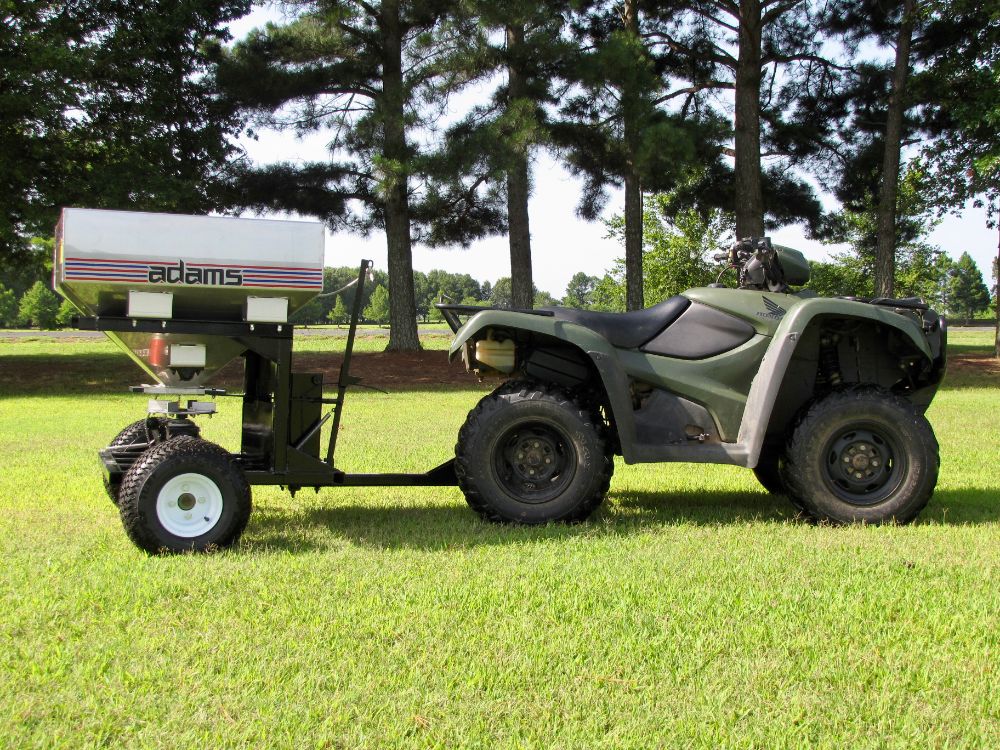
(626, 330)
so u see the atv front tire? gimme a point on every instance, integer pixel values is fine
(184, 494)
(862, 454)
(531, 454)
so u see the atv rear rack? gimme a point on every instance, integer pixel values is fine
(450, 312)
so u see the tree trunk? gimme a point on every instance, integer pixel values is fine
(522, 288)
(996, 299)
(633, 183)
(746, 142)
(402, 301)
(885, 251)
(633, 242)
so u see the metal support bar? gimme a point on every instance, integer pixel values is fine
(345, 378)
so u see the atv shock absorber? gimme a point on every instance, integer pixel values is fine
(829, 362)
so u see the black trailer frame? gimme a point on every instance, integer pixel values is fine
(282, 409)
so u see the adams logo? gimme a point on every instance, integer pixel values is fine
(191, 275)
(774, 310)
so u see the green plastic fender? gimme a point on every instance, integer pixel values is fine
(601, 352)
(795, 313)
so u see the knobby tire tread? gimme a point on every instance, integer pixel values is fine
(529, 390)
(795, 476)
(134, 479)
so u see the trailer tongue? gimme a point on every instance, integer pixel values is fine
(173, 292)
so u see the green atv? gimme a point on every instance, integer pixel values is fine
(823, 398)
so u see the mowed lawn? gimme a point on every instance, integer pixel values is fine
(692, 611)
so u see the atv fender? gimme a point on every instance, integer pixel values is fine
(593, 345)
(767, 383)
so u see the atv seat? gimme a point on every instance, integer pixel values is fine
(626, 330)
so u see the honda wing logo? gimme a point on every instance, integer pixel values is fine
(774, 310)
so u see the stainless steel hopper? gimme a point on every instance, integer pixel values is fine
(197, 268)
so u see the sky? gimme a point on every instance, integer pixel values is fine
(562, 243)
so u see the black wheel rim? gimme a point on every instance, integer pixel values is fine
(534, 461)
(864, 464)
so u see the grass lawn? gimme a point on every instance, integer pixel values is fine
(693, 610)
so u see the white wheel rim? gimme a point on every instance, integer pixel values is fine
(189, 505)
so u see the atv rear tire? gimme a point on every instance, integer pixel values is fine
(530, 454)
(769, 470)
(184, 494)
(133, 434)
(862, 454)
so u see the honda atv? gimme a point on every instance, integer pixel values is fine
(823, 398)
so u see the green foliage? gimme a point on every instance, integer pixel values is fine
(968, 294)
(39, 307)
(65, 313)
(842, 276)
(377, 310)
(856, 225)
(959, 84)
(8, 307)
(677, 247)
(107, 105)
(580, 291)
(544, 299)
(501, 296)
(339, 314)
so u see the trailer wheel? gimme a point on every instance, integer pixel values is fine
(862, 454)
(531, 454)
(133, 434)
(184, 494)
(769, 470)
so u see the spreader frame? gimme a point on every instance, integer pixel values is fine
(282, 410)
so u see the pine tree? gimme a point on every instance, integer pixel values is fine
(767, 52)
(617, 130)
(522, 43)
(959, 85)
(968, 293)
(107, 105)
(369, 73)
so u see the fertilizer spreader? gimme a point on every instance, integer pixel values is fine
(183, 296)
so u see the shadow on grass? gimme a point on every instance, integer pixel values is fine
(441, 527)
(92, 374)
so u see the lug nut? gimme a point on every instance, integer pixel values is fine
(187, 515)
(548, 460)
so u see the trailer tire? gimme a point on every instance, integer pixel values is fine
(862, 454)
(132, 434)
(529, 453)
(184, 494)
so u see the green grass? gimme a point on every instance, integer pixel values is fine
(692, 611)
